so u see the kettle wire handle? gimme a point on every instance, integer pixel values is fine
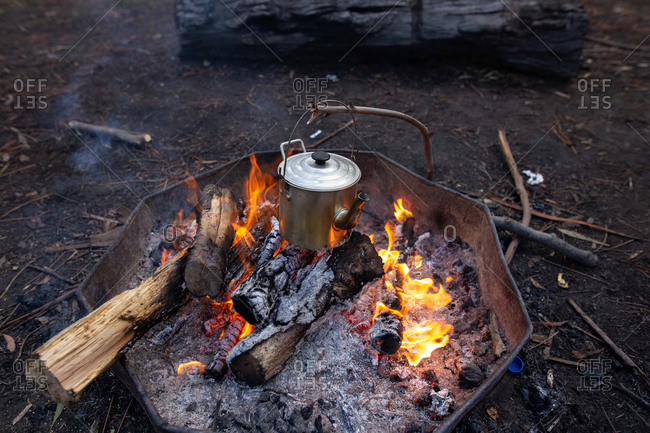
(284, 158)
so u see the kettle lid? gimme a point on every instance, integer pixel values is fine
(320, 171)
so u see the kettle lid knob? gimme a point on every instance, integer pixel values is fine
(320, 157)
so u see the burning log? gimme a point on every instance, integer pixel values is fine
(68, 362)
(204, 273)
(245, 254)
(256, 297)
(263, 353)
(387, 330)
(217, 367)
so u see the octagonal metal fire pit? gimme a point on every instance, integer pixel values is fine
(437, 207)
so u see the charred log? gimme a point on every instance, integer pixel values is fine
(489, 31)
(256, 297)
(386, 333)
(356, 262)
(206, 267)
(263, 353)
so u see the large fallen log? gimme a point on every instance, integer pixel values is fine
(206, 266)
(72, 359)
(543, 36)
(262, 354)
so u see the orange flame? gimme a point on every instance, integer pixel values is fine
(401, 214)
(194, 193)
(247, 329)
(165, 255)
(420, 339)
(190, 365)
(381, 307)
(256, 186)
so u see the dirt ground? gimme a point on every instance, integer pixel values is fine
(587, 136)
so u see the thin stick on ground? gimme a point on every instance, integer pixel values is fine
(135, 138)
(38, 310)
(521, 191)
(564, 220)
(14, 209)
(624, 357)
(124, 416)
(14, 278)
(581, 256)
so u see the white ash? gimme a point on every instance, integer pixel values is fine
(334, 381)
(441, 402)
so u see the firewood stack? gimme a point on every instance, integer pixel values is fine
(284, 297)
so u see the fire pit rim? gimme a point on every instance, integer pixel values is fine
(449, 422)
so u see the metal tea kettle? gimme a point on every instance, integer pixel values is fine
(319, 201)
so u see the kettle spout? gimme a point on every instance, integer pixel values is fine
(345, 219)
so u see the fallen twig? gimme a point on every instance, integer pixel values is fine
(16, 276)
(135, 138)
(562, 361)
(636, 398)
(581, 256)
(12, 210)
(521, 191)
(53, 273)
(628, 47)
(567, 220)
(327, 137)
(626, 359)
(38, 310)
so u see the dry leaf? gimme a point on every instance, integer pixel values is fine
(11, 344)
(561, 281)
(586, 352)
(550, 378)
(492, 413)
(537, 284)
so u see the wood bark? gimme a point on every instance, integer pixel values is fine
(206, 267)
(68, 362)
(548, 239)
(542, 36)
(262, 354)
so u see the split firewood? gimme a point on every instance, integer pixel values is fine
(262, 354)
(218, 366)
(206, 266)
(68, 362)
(135, 138)
(256, 297)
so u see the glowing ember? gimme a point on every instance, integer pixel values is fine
(192, 366)
(248, 328)
(420, 338)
